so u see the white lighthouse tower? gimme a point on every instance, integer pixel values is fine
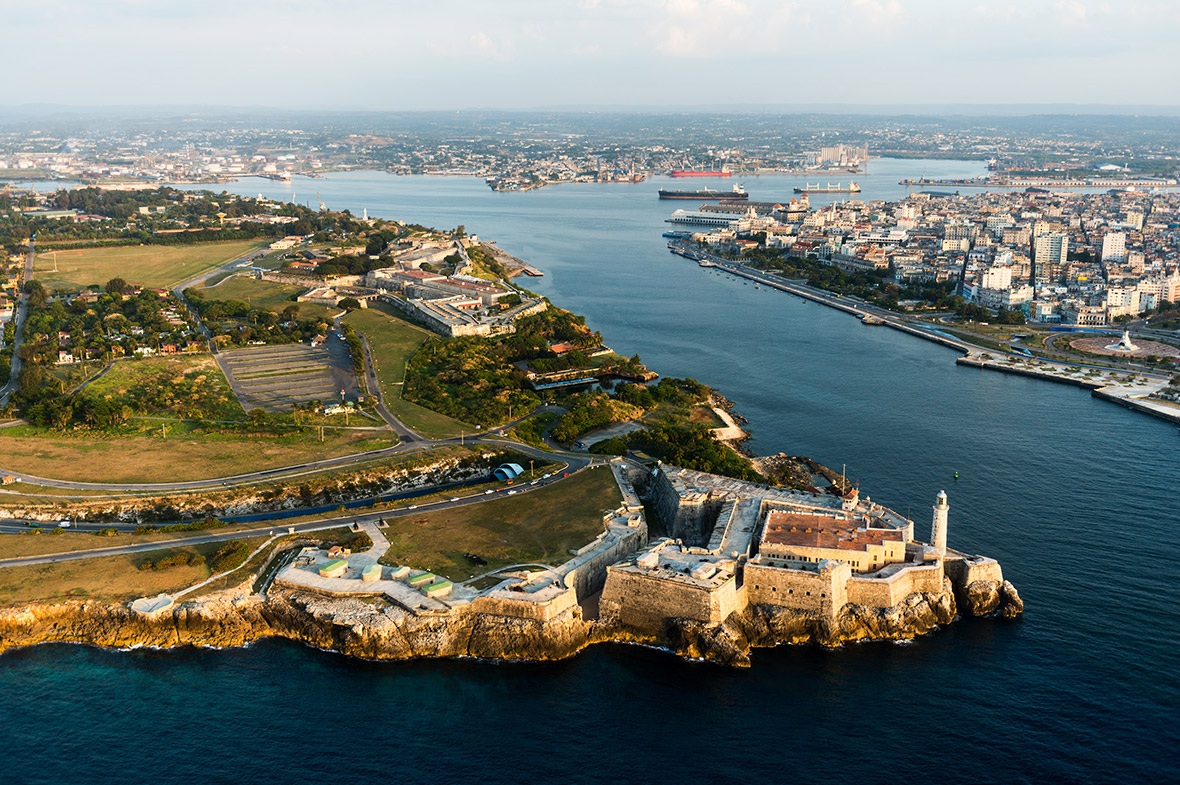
(938, 527)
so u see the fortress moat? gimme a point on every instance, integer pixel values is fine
(740, 566)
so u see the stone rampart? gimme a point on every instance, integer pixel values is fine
(586, 571)
(500, 603)
(963, 570)
(889, 591)
(643, 602)
(688, 516)
(821, 591)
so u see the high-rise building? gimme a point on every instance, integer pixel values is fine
(1114, 247)
(1049, 254)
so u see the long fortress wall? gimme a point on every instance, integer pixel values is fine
(643, 601)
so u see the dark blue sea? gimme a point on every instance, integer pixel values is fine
(1076, 497)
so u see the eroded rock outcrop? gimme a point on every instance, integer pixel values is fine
(378, 630)
(986, 596)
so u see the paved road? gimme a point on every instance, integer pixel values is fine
(403, 431)
(576, 464)
(18, 320)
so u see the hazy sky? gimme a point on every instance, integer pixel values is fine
(442, 54)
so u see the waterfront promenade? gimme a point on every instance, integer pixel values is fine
(1129, 389)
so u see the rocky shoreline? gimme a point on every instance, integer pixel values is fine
(384, 631)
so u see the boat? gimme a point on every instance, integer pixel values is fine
(678, 235)
(695, 173)
(737, 193)
(852, 188)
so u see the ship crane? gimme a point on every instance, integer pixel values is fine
(323, 207)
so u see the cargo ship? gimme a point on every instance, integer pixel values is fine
(738, 192)
(852, 188)
(694, 173)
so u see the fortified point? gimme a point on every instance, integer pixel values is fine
(740, 565)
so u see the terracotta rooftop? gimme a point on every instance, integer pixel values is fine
(820, 531)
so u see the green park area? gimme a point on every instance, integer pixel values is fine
(171, 451)
(393, 341)
(256, 293)
(156, 266)
(541, 526)
(180, 385)
(267, 295)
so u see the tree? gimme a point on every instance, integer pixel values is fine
(116, 286)
(349, 303)
(36, 293)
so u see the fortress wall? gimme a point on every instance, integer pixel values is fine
(690, 520)
(965, 570)
(523, 608)
(821, 592)
(586, 572)
(642, 602)
(887, 592)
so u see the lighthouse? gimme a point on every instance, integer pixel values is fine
(938, 527)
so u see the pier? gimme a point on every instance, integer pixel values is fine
(1102, 382)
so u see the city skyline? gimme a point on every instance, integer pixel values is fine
(596, 53)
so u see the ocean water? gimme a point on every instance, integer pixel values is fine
(1076, 497)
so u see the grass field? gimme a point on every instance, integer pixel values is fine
(157, 266)
(541, 526)
(267, 294)
(113, 578)
(180, 456)
(208, 394)
(393, 341)
(259, 294)
(39, 542)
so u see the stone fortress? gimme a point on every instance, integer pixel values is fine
(742, 565)
(734, 545)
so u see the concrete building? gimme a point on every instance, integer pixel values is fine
(1050, 251)
(1114, 247)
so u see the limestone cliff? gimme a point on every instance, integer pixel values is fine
(349, 626)
(377, 630)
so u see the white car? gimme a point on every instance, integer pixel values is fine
(485, 493)
(453, 499)
(511, 492)
(412, 507)
(64, 525)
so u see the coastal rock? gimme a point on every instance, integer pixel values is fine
(985, 596)
(374, 629)
(1013, 606)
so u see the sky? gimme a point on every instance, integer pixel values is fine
(525, 54)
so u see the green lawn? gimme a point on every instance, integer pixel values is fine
(540, 526)
(157, 266)
(259, 294)
(393, 341)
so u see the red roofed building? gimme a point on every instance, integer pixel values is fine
(813, 537)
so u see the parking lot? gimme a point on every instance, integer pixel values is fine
(276, 377)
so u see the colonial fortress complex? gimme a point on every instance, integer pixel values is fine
(733, 545)
(740, 565)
